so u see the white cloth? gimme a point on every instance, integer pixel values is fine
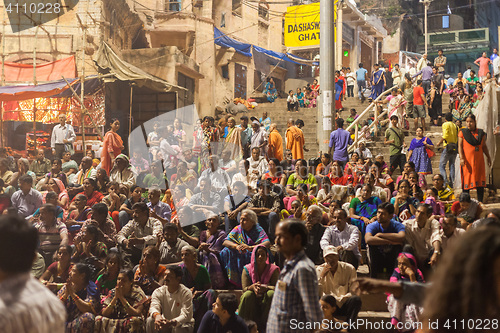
(337, 285)
(152, 228)
(398, 76)
(59, 133)
(219, 178)
(292, 99)
(173, 306)
(421, 239)
(496, 66)
(347, 238)
(351, 79)
(125, 177)
(261, 166)
(28, 306)
(446, 242)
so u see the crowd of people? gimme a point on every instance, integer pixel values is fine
(147, 242)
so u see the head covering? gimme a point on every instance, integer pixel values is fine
(252, 267)
(59, 184)
(256, 122)
(398, 276)
(330, 249)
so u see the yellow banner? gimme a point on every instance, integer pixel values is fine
(302, 25)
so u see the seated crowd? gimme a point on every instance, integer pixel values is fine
(154, 250)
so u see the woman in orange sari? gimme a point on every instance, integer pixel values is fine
(112, 146)
(471, 147)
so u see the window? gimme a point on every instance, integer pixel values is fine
(173, 5)
(237, 7)
(225, 71)
(446, 21)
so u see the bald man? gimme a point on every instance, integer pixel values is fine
(295, 140)
(275, 144)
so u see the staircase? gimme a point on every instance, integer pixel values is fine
(277, 111)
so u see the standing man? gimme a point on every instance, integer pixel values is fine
(62, 134)
(25, 304)
(494, 55)
(385, 239)
(394, 137)
(419, 104)
(296, 295)
(388, 77)
(440, 62)
(294, 140)
(438, 79)
(398, 75)
(422, 62)
(467, 72)
(427, 74)
(259, 137)
(450, 151)
(340, 139)
(377, 81)
(275, 145)
(361, 78)
(246, 136)
(472, 83)
(496, 67)
(351, 79)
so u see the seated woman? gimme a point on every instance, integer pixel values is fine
(275, 173)
(415, 191)
(301, 176)
(95, 161)
(466, 209)
(341, 177)
(78, 215)
(382, 180)
(239, 245)
(149, 274)
(89, 249)
(122, 308)
(325, 195)
(208, 251)
(69, 166)
(405, 314)
(303, 198)
(102, 181)
(107, 278)
(258, 280)
(114, 200)
(329, 307)
(405, 205)
(90, 191)
(323, 168)
(463, 110)
(81, 300)
(432, 198)
(409, 167)
(58, 272)
(139, 162)
(126, 208)
(295, 211)
(363, 210)
(377, 190)
(55, 172)
(196, 277)
(155, 177)
(352, 163)
(183, 177)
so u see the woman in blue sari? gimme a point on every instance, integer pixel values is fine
(239, 245)
(300, 97)
(270, 90)
(417, 153)
(363, 210)
(377, 81)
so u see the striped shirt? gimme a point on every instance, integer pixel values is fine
(28, 306)
(50, 236)
(295, 296)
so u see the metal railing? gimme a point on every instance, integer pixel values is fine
(374, 123)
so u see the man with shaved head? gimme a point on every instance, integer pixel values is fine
(295, 140)
(275, 143)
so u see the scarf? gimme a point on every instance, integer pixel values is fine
(471, 139)
(251, 268)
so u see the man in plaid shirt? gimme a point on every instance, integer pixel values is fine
(296, 301)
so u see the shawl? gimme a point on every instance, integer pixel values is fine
(256, 235)
(233, 142)
(471, 139)
(62, 190)
(252, 267)
(416, 143)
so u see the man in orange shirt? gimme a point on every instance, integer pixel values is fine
(275, 143)
(419, 104)
(295, 140)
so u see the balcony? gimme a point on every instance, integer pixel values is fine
(456, 40)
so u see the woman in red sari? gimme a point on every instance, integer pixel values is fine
(112, 146)
(339, 90)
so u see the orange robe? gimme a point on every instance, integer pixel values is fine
(276, 145)
(473, 173)
(295, 142)
(112, 143)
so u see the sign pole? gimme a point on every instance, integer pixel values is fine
(326, 70)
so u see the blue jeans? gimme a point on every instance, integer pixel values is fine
(361, 87)
(445, 158)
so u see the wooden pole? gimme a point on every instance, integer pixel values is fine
(35, 82)
(3, 50)
(84, 109)
(82, 81)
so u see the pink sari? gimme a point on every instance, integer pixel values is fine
(252, 268)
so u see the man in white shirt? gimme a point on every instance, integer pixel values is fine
(496, 67)
(335, 278)
(450, 232)
(62, 134)
(398, 74)
(344, 237)
(171, 305)
(25, 304)
(351, 81)
(424, 236)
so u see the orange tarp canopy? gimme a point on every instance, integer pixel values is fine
(49, 71)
